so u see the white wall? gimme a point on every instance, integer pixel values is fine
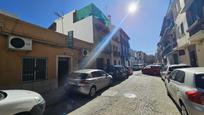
(83, 29)
(183, 41)
(181, 18)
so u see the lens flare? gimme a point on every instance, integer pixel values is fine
(90, 59)
(101, 46)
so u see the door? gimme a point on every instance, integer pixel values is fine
(63, 70)
(97, 79)
(105, 80)
(193, 56)
(178, 83)
(171, 82)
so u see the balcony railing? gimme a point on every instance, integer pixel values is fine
(196, 26)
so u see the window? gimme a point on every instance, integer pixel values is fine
(114, 62)
(97, 73)
(113, 48)
(79, 75)
(172, 75)
(180, 76)
(182, 29)
(34, 69)
(199, 81)
(2, 95)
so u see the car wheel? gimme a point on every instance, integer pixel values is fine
(92, 92)
(183, 110)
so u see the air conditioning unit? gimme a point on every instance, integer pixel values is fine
(19, 43)
(85, 52)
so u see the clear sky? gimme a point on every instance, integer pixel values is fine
(143, 27)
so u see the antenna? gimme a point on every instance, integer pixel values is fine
(58, 15)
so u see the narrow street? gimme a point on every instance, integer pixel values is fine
(138, 95)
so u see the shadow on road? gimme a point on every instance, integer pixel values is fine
(151, 75)
(73, 101)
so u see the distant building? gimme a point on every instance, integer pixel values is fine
(133, 57)
(140, 57)
(91, 25)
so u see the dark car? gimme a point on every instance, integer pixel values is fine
(118, 72)
(152, 70)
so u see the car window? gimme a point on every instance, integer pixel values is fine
(97, 74)
(2, 96)
(164, 68)
(199, 81)
(180, 76)
(79, 75)
(177, 67)
(102, 73)
(172, 75)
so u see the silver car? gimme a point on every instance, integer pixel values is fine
(166, 70)
(186, 87)
(89, 81)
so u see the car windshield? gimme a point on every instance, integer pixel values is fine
(79, 75)
(199, 81)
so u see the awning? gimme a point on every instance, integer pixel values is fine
(187, 5)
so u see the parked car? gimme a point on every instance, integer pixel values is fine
(118, 72)
(152, 70)
(89, 81)
(21, 102)
(129, 69)
(137, 67)
(186, 87)
(163, 70)
(170, 68)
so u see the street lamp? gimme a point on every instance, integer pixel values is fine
(132, 8)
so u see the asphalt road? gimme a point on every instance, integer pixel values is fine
(138, 95)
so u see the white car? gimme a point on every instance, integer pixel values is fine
(88, 81)
(166, 70)
(21, 102)
(186, 87)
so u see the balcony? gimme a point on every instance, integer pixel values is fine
(196, 27)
